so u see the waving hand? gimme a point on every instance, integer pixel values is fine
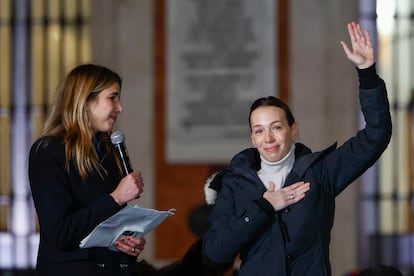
(362, 52)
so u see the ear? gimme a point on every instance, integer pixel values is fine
(295, 132)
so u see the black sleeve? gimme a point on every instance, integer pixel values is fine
(368, 78)
(265, 206)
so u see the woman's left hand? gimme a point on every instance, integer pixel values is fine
(130, 245)
(362, 53)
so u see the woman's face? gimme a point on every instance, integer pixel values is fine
(271, 133)
(104, 109)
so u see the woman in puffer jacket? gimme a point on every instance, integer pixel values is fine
(276, 202)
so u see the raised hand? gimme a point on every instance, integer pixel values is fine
(362, 53)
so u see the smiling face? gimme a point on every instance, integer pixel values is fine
(104, 108)
(271, 133)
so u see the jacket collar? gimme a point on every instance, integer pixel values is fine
(304, 159)
(247, 163)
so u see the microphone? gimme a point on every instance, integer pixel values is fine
(117, 139)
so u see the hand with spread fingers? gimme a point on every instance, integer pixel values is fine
(362, 53)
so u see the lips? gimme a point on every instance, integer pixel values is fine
(113, 118)
(272, 149)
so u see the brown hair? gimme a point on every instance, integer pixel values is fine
(272, 101)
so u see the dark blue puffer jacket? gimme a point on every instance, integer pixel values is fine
(293, 241)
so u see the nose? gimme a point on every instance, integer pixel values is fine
(268, 136)
(119, 107)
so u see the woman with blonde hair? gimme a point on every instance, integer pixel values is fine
(76, 178)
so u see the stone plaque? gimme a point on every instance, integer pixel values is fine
(221, 55)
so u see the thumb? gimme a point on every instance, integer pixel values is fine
(271, 186)
(347, 51)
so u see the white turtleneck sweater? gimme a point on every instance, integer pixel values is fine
(277, 171)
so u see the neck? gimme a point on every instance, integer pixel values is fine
(277, 171)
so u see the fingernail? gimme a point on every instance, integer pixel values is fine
(117, 245)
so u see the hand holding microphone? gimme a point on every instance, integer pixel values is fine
(132, 185)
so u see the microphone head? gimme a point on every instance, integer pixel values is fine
(117, 137)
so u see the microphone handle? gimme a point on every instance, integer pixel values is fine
(125, 164)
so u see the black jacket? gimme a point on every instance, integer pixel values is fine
(294, 241)
(68, 209)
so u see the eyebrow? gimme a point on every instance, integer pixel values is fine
(272, 123)
(115, 92)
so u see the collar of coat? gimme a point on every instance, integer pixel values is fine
(247, 163)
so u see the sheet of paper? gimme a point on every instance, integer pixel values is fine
(130, 218)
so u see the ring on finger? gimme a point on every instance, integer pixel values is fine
(133, 250)
(292, 196)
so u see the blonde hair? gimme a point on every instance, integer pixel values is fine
(69, 117)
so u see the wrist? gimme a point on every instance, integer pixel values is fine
(365, 65)
(116, 199)
(265, 205)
